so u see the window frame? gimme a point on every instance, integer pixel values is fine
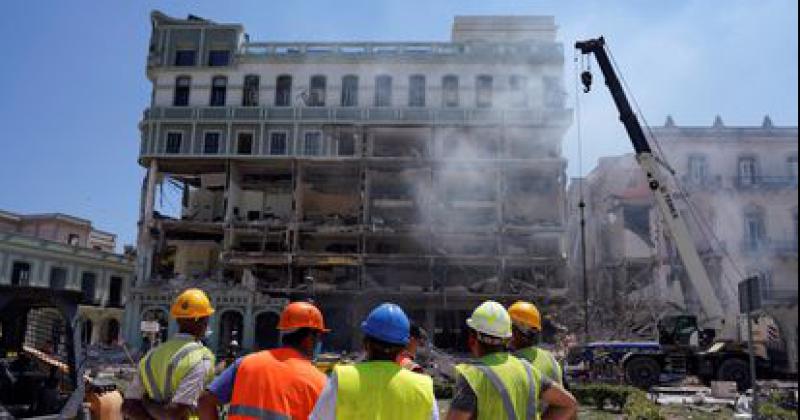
(286, 140)
(279, 102)
(321, 135)
(205, 138)
(752, 179)
(178, 91)
(252, 142)
(379, 103)
(417, 93)
(52, 270)
(448, 90)
(355, 146)
(167, 142)
(178, 51)
(523, 91)
(21, 280)
(96, 278)
(250, 94)
(317, 94)
(214, 95)
(349, 93)
(487, 90)
(690, 168)
(211, 55)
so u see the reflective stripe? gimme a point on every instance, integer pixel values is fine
(255, 413)
(151, 379)
(532, 397)
(173, 363)
(501, 389)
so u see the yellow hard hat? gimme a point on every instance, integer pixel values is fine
(525, 314)
(192, 303)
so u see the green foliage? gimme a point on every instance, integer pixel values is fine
(632, 402)
(771, 411)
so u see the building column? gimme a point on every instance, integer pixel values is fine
(249, 327)
(130, 325)
(145, 243)
(232, 197)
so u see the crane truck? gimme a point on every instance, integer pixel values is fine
(713, 352)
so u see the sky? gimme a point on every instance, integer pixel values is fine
(74, 84)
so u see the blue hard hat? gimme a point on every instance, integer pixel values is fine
(387, 323)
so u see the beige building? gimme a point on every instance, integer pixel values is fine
(742, 183)
(425, 173)
(58, 251)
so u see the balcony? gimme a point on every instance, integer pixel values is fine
(764, 182)
(375, 115)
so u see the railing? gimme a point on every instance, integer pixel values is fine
(770, 246)
(764, 182)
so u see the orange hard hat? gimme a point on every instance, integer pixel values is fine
(525, 314)
(301, 315)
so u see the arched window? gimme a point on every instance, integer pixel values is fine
(316, 90)
(219, 87)
(383, 90)
(283, 90)
(416, 91)
(350, 90)
(450, 91)
(250, 90)
(182, 89)
(483, 91)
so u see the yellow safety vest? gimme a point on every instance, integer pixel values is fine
(164, 367)
(507, 387)
(382, 390)
(543, 360)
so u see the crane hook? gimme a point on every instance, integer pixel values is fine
(586, 79)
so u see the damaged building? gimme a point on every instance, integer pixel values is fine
(429, 174)
(742, 184)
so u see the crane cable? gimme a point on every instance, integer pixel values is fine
(582, 202)
(705, 227)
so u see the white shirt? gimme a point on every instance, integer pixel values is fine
(325, 409)
(189, 388)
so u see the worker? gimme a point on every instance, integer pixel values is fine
(172, 376)
(280, 383)
(406, 357)
(378, 388)
(526, 325)
(499, 385)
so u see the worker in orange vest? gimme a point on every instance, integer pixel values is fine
(281, 383)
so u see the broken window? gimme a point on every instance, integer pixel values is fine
(182, 89)
(174, 139)
(115, 291)
(450, 91)
(58, 278)
(312, 143)
(244, 143)
(283, 91)
(317, 88)
(519, 91)
(211, 143)
(278, 143)
(73, 239)
(350, 90)
(185, 58)
(219, 87)
(416, 91)
(20, 273)
(383, 90)
(483, 91)
(219, 58)
(250, 90)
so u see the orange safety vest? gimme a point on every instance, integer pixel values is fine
(275, 384)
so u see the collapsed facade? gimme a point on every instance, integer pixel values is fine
(429, 174)
(742, 183)
(62, 252)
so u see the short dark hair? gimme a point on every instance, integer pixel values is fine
(295, 338)
(381, 350)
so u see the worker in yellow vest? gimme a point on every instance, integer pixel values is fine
(172, 376)
(526, 322)
(378, 388)
(499, 385)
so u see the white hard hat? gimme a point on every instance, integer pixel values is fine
(492, 319)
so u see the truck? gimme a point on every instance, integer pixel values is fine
(708, 345)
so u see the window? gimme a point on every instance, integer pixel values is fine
(283, 91)
(185, 58)
(312, 144)
(416, 90)
(316, 94)
(698, 169)
(58, 278)
(88, 284)
(278, 143)
(211, 143)
(174, 142)
(115, 291)
(182, 88)
(74, 239)
(791, 165)
(383, 91)
(219, 87)
(754, 229)
(20, 273)
(244, 143)
(250, 90)
(217, 58)
(346, 145)
(483, 92)
(747, 171)
(450, 91)
(519, 91)
(350, 90)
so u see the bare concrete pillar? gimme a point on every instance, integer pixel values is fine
(233, 194)
(145, 243)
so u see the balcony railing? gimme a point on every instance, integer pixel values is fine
(764, 182)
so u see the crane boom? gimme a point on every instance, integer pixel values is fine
(698, 276)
